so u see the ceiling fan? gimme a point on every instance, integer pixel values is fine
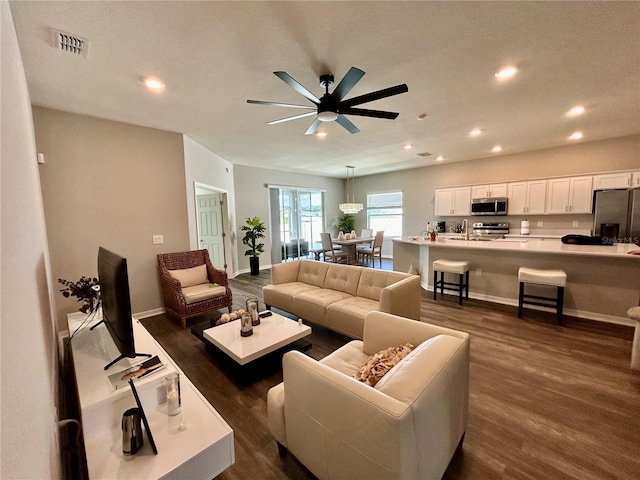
(331, 107)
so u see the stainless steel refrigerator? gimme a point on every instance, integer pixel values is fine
(617, 215)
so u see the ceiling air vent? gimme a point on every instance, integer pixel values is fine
(424, 154)
(71, 43)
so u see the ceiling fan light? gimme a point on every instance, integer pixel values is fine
(327, 116)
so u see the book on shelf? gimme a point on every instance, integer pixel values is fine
(140, 370)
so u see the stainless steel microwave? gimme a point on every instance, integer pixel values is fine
(489, 206)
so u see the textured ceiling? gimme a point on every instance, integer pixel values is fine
(213, 56)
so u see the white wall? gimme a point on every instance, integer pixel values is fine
(28, 386)
(203, 166)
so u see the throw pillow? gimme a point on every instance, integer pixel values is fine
(381, 362)
(188, 277)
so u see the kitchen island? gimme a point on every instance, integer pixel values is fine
(603, 281)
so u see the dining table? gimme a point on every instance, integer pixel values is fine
(350, 246)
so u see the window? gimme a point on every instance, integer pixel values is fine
(384, 212)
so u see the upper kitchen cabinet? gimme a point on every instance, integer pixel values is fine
(453, 201)
(527, 197)
(569, 195)
(616, 180)
(486, 191)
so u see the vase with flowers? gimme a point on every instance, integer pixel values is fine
(86, 290)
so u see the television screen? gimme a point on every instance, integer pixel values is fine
(116, 302)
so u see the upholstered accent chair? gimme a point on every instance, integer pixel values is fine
(407, 426)
(191, 285)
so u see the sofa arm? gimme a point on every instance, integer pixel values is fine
(284, 272)
(402, 298)
(383, 330)
(338, 426)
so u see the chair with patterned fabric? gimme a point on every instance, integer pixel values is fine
(191, 285)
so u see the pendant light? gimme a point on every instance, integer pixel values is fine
(351, 207)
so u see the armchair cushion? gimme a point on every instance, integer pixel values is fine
(188, 277)
(202, 292)
(381, 362)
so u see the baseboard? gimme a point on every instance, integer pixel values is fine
(149, 313)
(513, 302)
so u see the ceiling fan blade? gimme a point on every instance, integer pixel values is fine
(295, 117)
(349, 81)
(313, 127)
(365, 112)
(346, 123)
(277, 104)
(289, 80)
(377, 95)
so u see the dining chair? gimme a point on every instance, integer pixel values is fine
(375, 250)
(331, 255)
(366, 233)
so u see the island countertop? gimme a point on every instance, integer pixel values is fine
(532, 245)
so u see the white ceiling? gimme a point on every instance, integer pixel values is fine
(213, 56)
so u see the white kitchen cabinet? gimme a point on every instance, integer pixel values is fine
(453, 201)
(635, 178)
(487, 191)
(569, 195)
(527, 197)
(614, 180)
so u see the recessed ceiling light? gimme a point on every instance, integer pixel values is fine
(440, 158)
(506, 72)
(576, 136)
(408, 146)
(475, 132)
(153, 83)
(321, 134)
(496, 149)
(422, 116)
(577, 110)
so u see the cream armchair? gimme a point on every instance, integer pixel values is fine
(406, 427)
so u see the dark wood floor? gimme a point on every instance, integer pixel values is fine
(546, 402)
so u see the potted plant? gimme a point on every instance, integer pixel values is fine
(345, 223)
(86, 290)
(253, 232)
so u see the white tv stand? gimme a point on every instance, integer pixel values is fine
(201, 450)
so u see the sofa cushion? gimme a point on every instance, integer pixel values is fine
(281, 295)
(347, 359)
(372, 282)
(343, 278)
(312, 305)
(381, 362)
(188, 277)
(202, 292)
(312, 272)
(347, 316)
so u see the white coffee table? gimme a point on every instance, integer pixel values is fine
(274, 332)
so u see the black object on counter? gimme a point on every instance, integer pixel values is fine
(586, 240)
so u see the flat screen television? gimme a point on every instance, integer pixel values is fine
(116, 303)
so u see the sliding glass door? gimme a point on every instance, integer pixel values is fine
(296, 222)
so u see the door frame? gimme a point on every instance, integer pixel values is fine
(226, 244)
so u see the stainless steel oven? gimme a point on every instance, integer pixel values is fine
(489, 206)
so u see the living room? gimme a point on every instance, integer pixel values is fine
(117, 183)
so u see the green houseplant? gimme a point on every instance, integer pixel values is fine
(346, 223)
(253, 230)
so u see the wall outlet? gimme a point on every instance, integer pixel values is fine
(158, 239)
(540, 223)
(575, 223)
(478, 272)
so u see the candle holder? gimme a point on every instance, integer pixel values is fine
(252, 309)
(246, 330)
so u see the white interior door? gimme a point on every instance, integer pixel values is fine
(210, 227)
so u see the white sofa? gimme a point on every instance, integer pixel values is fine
(340, 296)
(408, 426)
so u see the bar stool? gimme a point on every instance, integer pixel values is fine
(634, 314)
(553, 278)
(458, 267)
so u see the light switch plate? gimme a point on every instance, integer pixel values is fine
(540, 223)
(158, 239)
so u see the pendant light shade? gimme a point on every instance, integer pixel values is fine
(350, 207)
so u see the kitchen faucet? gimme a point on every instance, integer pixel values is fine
(466, 228)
